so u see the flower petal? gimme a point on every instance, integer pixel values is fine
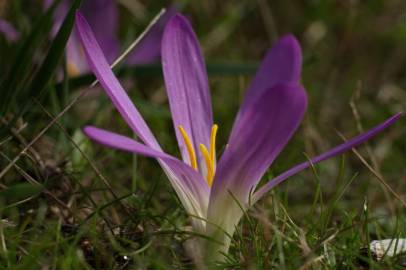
(189, 184)
(257, 138)
(120, 142)
(10, 33)
(149, 48)
(348, 145)
(186, 84)
(111, 85)
(282, 64)
(102, 16)
(75, 57)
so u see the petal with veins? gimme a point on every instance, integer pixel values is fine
(187, 85)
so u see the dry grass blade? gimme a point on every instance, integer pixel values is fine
(92, 165)
(374, 172)
(30, 179)
(372, 157)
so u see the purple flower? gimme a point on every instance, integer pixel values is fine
(103, 17)
(10, 33)
(272, 110)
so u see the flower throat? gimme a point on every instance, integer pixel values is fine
(208, 156)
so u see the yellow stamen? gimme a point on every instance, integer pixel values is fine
(209, 157)
(189, 146)
(213, 143)
(72, 69)
(209, 164)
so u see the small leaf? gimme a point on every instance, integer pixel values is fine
(21, 191)
(55, 53)
(24, 60)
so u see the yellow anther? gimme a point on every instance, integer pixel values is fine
(209, 157)
(209, 164)
(213, 143)
(189, 146)
(72, 69)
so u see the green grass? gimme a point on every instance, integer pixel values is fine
(67, 203)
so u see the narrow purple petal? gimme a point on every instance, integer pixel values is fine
(102, 16)
(10, 33)
(111, 85)
(348, 145)
(282, 64)
(186, 83)
(75, 56)
(186, 182)
(149, 48)
(120, 142)
(257, 138)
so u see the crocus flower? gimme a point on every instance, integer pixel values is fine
(9, 32)
(103, 16)
(215, 193)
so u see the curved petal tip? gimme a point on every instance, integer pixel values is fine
(288, 53)
(289, 40)
(178, 21)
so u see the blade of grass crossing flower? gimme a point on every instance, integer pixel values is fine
(99, 65)
(355, 141)
(139, 38)
(51, 123)
(149, 48)
(220, 69)
(136, 42)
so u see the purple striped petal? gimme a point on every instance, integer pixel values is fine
(282, 64)
(329, 154)
(10, 33)
(189, 184)
(111, 85)
(102, 16)
(186, 83)
(149, 48)
(120, 142)
(257, 138)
